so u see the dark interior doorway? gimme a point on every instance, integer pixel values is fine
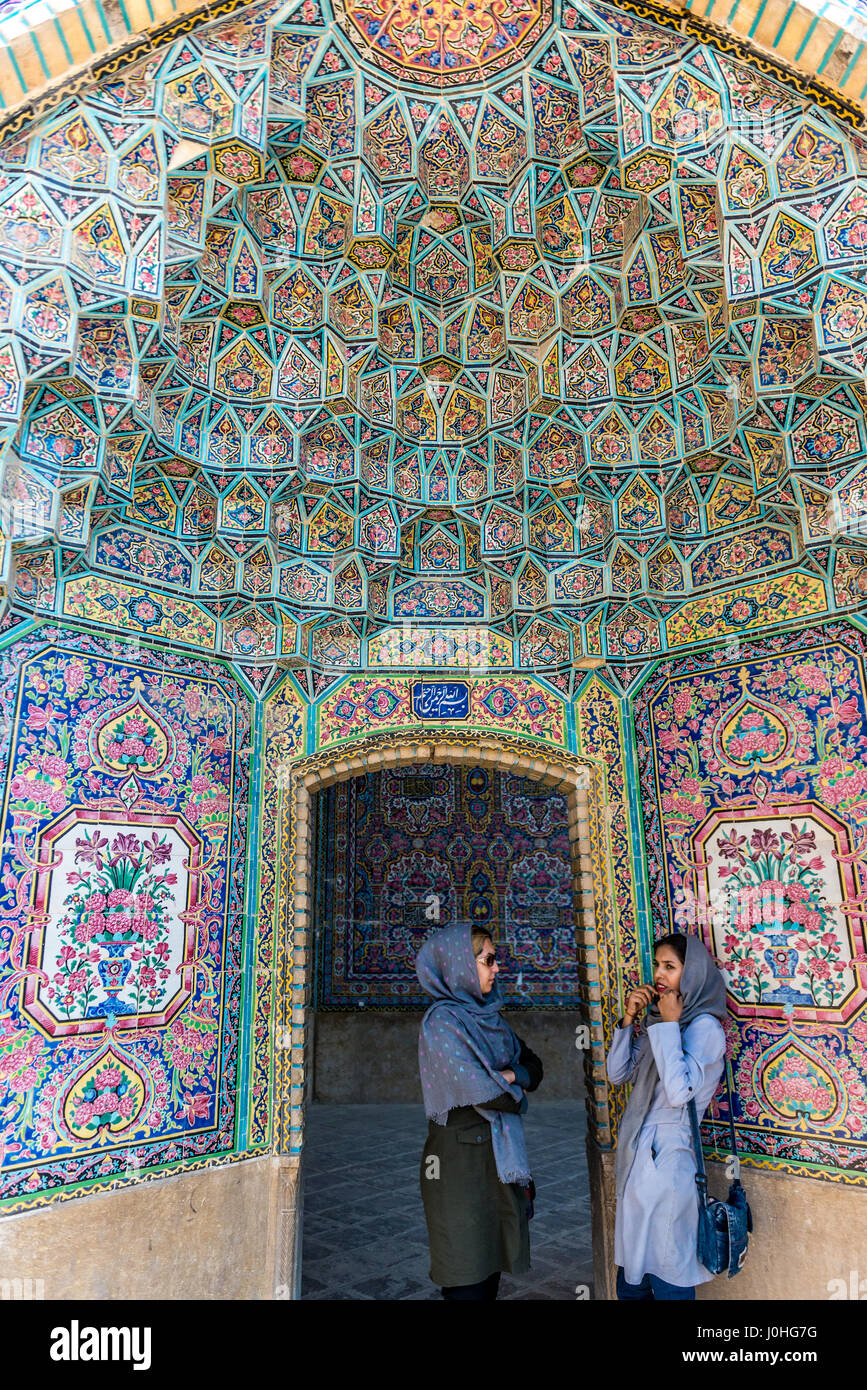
(397, 854)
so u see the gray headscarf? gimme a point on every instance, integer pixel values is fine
(464, 1046)
(704, 992)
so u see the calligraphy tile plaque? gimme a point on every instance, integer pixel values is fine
(441, 699)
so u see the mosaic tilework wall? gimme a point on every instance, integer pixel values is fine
(755, 790)
(506, 704)
(508, 347)
(492, 849)
(121, 913)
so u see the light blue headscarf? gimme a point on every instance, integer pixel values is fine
(464, 1045)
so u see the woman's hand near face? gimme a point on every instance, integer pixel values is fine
(637, 1002)
(508, 1076)
(671, 1006)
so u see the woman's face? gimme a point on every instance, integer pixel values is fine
(667, 969)
(487, 973)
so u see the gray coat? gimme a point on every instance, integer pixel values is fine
(657, 1217)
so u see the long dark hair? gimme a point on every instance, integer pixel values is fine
(677, 944)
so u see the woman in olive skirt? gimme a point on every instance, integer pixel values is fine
(475, 1176)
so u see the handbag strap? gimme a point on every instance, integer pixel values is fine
(735, 1156)
(701, 1175)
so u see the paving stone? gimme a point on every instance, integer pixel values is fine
(340, 1295)
(394, 1224)
(396, 1284)
(351, 1238)
(310, 1286)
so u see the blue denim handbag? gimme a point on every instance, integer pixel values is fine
(723, 1227)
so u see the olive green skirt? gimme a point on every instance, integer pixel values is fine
(476, 1224)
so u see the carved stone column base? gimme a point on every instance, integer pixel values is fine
(286, 1228)
(600, 1167)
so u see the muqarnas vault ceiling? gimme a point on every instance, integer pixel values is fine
(379, 336)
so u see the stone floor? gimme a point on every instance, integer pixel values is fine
(375, 1247)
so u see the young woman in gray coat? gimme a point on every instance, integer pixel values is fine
(677, 1057)
(475, 1177)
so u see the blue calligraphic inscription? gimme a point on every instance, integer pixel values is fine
(441, 699)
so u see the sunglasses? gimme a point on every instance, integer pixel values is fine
(487, 959)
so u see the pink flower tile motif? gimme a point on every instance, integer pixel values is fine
(755, 796)
(122, 898)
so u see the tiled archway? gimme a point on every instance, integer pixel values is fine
(579, 781)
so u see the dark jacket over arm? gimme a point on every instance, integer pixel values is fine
(503, 1102)
(528, 1072)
